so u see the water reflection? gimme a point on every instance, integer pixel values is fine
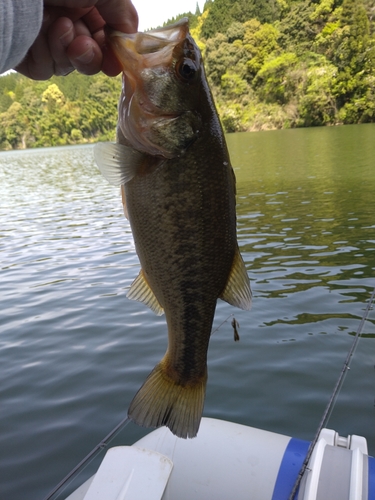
(305, 207)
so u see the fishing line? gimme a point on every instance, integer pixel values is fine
(332, 400)
(221, 324)
(88, 458)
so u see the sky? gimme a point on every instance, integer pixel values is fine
(153, 13)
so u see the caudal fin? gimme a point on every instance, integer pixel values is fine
(161, 401)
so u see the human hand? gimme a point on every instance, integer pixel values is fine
(72, 37)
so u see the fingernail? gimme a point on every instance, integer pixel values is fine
(86, 57)
(66, 38)
(63, 71)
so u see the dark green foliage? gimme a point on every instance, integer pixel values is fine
(352, 46)
(222, 13)
(218, 18)
(297, 29)
(221, 55)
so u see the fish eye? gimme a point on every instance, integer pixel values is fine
(186, 70)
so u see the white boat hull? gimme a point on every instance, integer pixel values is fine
(228, 460)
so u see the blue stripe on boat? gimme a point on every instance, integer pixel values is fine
(371, 478)
(290, 466)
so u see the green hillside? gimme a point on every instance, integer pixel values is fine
(270, 64)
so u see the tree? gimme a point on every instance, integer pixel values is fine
(264, 11)
(273, 79)
(221, 55)
(53, 97)
(353, 44)
(297, 29)
(218, 18)
(223, 12)
(317, 104)
(12, 125)
(260, 41)
(236, 31)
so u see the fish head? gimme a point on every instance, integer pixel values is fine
(162, 88)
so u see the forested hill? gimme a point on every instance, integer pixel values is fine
(270, 64)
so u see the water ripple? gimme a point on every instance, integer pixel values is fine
(74, 349)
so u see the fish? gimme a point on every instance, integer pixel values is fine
(178, 189)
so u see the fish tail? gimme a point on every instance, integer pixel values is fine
(163, 401)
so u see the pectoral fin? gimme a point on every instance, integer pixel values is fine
(237, 291)
(140, 290)
(118, 163)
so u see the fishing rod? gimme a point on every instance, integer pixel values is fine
(88, 458)
(332, 400)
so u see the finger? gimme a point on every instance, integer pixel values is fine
(85, 55)
(51, 14)
(110, 65)
(38, 63)
(80, 28)
(61, 33)
(93, 20)
(119, 14)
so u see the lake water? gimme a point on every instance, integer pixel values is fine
(74, 350)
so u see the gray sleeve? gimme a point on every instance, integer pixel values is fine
(20, 22)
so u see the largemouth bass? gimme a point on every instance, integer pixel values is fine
(178, 191)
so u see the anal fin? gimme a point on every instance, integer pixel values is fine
(140, 290)
(237, 291)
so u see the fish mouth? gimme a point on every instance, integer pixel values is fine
(138, 53)
(134, 50)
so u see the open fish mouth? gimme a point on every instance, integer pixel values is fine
(138, 52)
(159, 42)
(154, 64)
